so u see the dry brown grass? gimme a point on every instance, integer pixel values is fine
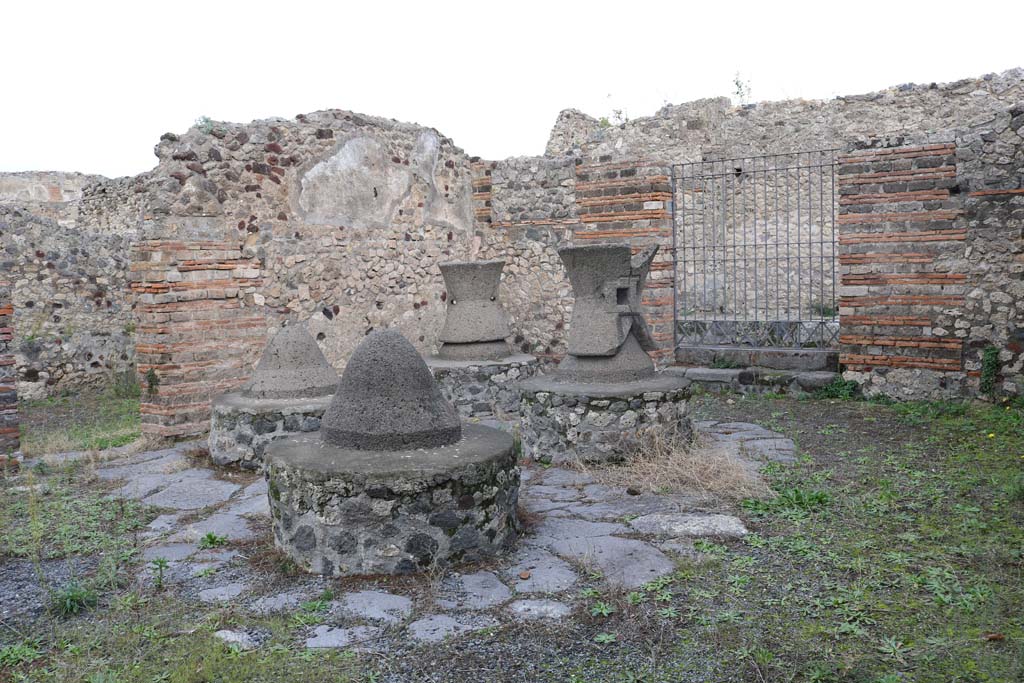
(668, 463)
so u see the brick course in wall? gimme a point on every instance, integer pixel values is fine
(9, 434)
(631, 202)
(194, 331)
(901, 222)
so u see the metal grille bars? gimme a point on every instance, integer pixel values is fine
(755, 251)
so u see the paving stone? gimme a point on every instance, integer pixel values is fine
(164, 523)
(623, 562)
(142, 486)
(256, 489)
(690, 524)
(542, 504)
(553, 529)
(192, 493)
(239, 639)
(478, 591)
(257, 506)
(557, 493)
(252, 500)
(540, 609)
(438, 627)
(632, 506)
(777, 449)
(725, 427)
(205, 560)
(376, 606)
(558, 476)
(758, 433)
(228, 591)
(149, 463)
(281, 602)
(600, 492)
(545, 573)
(329, 636)
(172, 552)
(223, 524)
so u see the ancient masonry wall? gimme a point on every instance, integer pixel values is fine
(333, 218)
(341, 219)
(70, 296)
(195, 338)
(9, 434)
(990, 170)
(932, 252)
(898, 227)
(539, 204)
(714, 128)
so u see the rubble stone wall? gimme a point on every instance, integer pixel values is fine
(333, 218)
(71, 305)
(9, 432)
(715, 129)
(991, 180)
(341, 219)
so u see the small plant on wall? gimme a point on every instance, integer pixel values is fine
(152, 382)
(990, 368)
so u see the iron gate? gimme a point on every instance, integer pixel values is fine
(755, 251)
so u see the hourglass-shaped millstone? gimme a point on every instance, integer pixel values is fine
(475, 325)
(608, 337)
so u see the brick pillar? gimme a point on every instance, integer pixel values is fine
(195, 334)
(901, 233)
(481, 174)
(631, 202)
(9, 435)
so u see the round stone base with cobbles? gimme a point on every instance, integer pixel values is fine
(341, 512)
(483, 388)
(242, 427)
(565, 422)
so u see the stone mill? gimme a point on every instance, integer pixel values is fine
(606, 393)
(287, 393)
(474, 365)
(393, 482)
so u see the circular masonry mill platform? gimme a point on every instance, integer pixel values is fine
(483, 388)
(588, 422)
(340, 511)
(241, 427)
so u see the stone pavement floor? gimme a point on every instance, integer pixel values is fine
(578, 531)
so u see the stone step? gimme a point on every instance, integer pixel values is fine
(796, 360)
(754, 380)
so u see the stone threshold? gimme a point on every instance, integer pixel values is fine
(754, 380)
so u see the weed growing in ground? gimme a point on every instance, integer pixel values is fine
(19, 653)
(211, 540)
(95, 421)
(73, 598)
(159, 566)
(838, 388)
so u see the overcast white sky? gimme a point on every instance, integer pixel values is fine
(90, 86)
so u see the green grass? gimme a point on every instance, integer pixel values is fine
(161, 638)
(893, 553)
(90, 421)
(838, 388)
(881, 565)
(57, 518)
(73, 598)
